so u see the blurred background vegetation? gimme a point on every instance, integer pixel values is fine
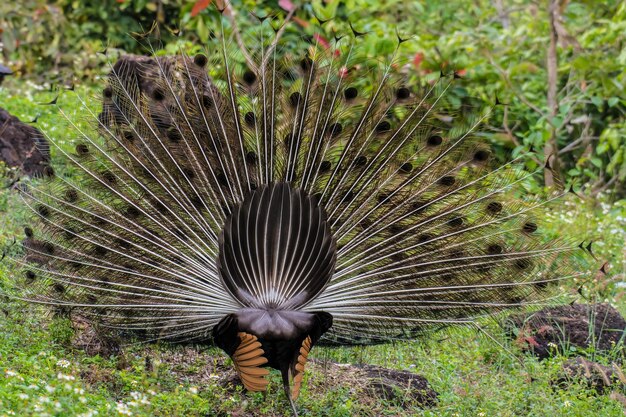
(559, 65)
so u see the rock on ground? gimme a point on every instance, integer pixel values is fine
(23, 146)
(595, 375)
(555, 329)
(390, 384)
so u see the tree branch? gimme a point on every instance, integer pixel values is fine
(517, 93)
(278, 35)
(503, 14)
(505, 125)
(551, 149)
(231, 14)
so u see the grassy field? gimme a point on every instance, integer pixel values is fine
(47, 365)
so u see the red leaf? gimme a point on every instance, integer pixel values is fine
(321, 40)
(418, 58)
(303, 23)
(199, 6)
(531, 341)
(461, 72)
(286, 5)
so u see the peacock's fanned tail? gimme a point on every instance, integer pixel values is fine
(321, 181)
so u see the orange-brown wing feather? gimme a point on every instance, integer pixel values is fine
(248, 360)
(300, 364)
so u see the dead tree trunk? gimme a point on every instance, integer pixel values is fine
(552, 173)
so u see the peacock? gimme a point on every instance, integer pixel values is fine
(312, 195)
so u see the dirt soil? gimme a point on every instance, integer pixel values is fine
(554, 329)
(23, 146)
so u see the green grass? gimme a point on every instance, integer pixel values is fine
(43, 372)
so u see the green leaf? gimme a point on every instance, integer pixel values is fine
(596, 162)
(597, 101)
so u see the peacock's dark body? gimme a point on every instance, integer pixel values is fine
(265, 209)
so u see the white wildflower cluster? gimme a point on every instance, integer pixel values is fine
(65, 377)
(138, 398)
(605, 207)
(9, 373)
(122, 408)
(90, 413)
(38, 87)
(63, 363)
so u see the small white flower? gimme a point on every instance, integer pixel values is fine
(22, 396)
(123, 409)
(567, 403)
(50, 389)
(193, 390)
(8, 373)
(63, 363)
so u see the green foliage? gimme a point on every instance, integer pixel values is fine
(501, 53)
